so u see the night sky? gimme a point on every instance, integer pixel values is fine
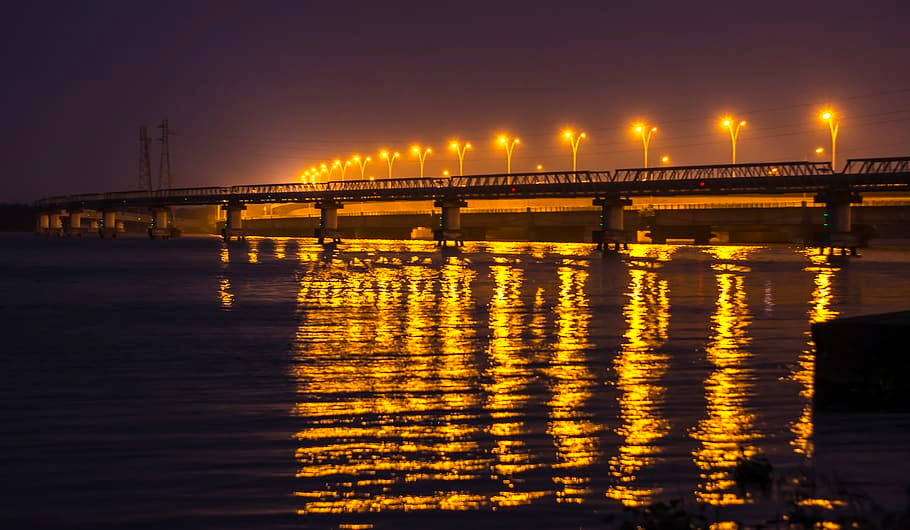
(259, 91)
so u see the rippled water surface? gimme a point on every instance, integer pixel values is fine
(274, 384)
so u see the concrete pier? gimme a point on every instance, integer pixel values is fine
(108, 226)
(328, 222)
(450, 225)
(75, 224)
(159, 228)
(56, 223)
(838, 236)
(612, 234)
(233, 227)
(44, 224)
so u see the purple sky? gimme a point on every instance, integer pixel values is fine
(259, 91)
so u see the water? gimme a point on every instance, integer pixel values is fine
(272, 384)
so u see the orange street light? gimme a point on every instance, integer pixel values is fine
(665, 159)
(645, 133)
(509, 145)
(460, 150)
(834, 126)
(731, 125)
(539, 167)
(362, 162)
(421, 156)
(573, 142)
(390, 159)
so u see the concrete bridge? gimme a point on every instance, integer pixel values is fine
(610, 191)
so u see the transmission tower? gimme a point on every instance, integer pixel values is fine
(164, 166)
(145, 165)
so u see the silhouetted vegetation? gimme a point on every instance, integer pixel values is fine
(17, 217)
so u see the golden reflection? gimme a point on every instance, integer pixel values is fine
(253, 250)
(574, 434)
(224, 293)
(388, 422)
(728, 430)
(820, 310)
(225, 254)
(639, 368)
(506, 391)
(280, 245)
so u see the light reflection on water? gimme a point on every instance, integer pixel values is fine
(727, 431)
(430, 382)
(639, 368)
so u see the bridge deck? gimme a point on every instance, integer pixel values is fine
(879, 174)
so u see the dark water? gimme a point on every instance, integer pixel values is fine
(271, 384)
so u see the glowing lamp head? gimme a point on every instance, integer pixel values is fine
(516, 141)
(819, 150)
(502, 140)
(368, 159)
(638, 128)
(323, 166)
(384, 154)
(453, 145)
(727, 123)
(539, 167)
(356, 158)
(742, 123)
(665, 159)
(445, 172)
(583, 135)
(567, 134)
(415, 149)
(827, 115)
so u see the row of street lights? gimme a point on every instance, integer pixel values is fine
(643, 131)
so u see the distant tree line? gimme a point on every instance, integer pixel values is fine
(16, 217)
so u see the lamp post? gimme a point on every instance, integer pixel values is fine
(834, 127)
(573, 142)
(421, 156)
(460, 150)
(390, 159)
(362, 162)
(731, 125)
(509, 145)
(645, 133)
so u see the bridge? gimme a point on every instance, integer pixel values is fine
(609, 189)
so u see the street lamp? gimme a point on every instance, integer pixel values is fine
(834, 127)
(344, 168)
(539, 167)
(573, 142)
(665, 159)
(731, 125)
(390, 159)
(645, 133)
(362, 162)
(421, 156)
(509, 145)
(460, 150)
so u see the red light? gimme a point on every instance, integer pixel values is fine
(513, 189)
(701, 183)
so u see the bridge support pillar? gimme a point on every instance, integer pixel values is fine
(838, 236)
(75, 227)
(43, 227)
(612, 234)
(159, 228)
(233, 226)
(108, 227)
(93, 225)
(450, 225)
(55, 220)
(328, 222)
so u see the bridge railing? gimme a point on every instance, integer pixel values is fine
(776, 169)
(878, 166)
(516, 179)
(388, 184)
(277, 189)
